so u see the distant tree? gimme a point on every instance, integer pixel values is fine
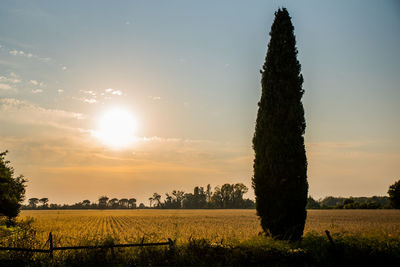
(44, 201)
(86, 203)
(331, 201)
(197, 200)
(123, 203)
(33, 202)
(103, 202)
(157, 200)
(168, 201)
(178, 197)
(132, 203)
(280, 164)
(239, 190)
(12, 190)
(394, 195)
(208, 193)
(113, 203)
(312, 203)
(141, 206)
(151, 201)
(230, 196)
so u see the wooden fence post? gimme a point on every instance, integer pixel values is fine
(51, 245)
(330, 238)
(171, 244)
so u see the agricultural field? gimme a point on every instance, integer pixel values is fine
(77, 227)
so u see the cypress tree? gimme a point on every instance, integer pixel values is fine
(280, 164)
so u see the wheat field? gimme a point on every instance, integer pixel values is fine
(76, 227)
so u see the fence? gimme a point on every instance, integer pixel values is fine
(170, 243)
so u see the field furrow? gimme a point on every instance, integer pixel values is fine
(71, 227)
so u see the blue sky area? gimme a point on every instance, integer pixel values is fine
(189, 72)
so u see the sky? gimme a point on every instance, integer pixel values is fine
(186, 73)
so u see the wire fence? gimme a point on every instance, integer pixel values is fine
(52, 248)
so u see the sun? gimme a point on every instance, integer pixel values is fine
(116, 128)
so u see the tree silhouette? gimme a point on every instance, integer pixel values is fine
(113, 203)
(86, 203)
(12, 190)
(157, 199)
(33, 202)
(132, 203)
(44, 201)
(394, 195)
(280, 164)
(123, 203)
(103, 201)
(197, 200)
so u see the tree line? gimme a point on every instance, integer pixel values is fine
(330, 202)
(228, 196)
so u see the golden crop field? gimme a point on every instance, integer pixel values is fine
(74, 227)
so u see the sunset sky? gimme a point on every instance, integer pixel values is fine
(186, 75)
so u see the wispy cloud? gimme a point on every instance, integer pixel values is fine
(15, 111)
(8, 82)
(12, 78)
(4, 86)
(88, 92)
(89, 100)
(154, 98)
(37, 91)
(112, 91)
(21, 53)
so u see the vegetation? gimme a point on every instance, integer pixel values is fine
(12, 190)
(394, 195)
(75, 227)
(205, 237)
(228, 196)
(280, 164)
(375, 202)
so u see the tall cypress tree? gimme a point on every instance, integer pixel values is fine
(280, 164)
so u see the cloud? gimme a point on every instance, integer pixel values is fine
(60, 91)
(88, 92)
(15, 111)
(15, 52)
(11, 79)
(4, 86)
(112, 91)
(64, 68)
(34, 82)
(37, 91)
(8, 82)
(154, 98)
(90, 100)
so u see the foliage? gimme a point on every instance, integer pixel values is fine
(312, 203)
(314, 250)
(204, 237)
(280, 164)
(228, 196)
(394, 195)
(12, 190)
(375, 202)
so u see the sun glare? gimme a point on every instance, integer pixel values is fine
(116, 128)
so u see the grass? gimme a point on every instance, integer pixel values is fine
(207, 238)
(71, 227)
